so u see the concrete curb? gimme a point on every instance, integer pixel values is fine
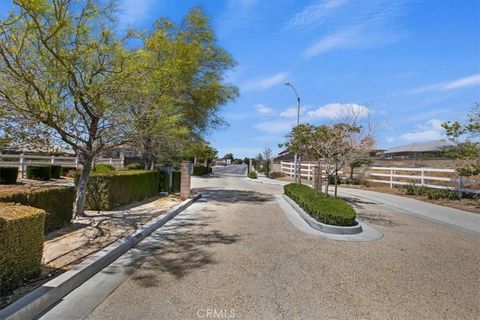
(34, 303)
(266, 182)
(368, 234)
(322, 226)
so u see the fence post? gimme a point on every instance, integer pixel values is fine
(22, 165)
(423, 177)
(460, 186)
(110, 161)
(391, 177)
(76, 162)
(52, 160)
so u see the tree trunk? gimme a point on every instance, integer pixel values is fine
(79, 206)
(319, 166)
(299, 163)
(336, 182)
(327, 184)
(351, 173)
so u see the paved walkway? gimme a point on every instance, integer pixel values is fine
(236, 254)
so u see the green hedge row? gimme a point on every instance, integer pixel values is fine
(201, 171)
(43, 173)
(21, 245)
(8, 175)
(324, 209)
(432, 193)
(57, 203)
(109, 190)
(164, 181)
(176, 179)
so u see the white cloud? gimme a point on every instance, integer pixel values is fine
(266, 83)
(431, 130)
(134, 11)
(314, 14)
(390, 139)
(274, 126)
(292, 112)
(357, 24)
(263, 109)
(470, 81)
(338, 110)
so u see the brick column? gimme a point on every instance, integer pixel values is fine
(185, 180)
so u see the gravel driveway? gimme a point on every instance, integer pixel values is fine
(239, 257)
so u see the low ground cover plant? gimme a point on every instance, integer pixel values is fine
(252, 175)
(432, 193)
(99, 168)
(21, 244)
(322, 208)
(8, 175)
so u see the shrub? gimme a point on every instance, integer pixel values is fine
(176, 178)
(276, 175)
(331, 179)
(68, 172)
(57, 203)
(431, 193)
(43, 173)
(101, 168)
(324, 209)
(8, 175)
(201, 171)
(21, 244)
(134, 166)
(252, 175)
(109, 190)
(164, 181)
(56, 172)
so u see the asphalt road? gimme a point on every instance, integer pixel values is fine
(236, 255)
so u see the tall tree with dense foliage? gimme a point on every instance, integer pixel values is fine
(179, 82)
(63, 69)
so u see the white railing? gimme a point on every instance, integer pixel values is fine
(394, 176)
(22, 161)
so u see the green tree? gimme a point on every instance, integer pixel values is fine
(299, 141)
(467, 139)
(62, 68)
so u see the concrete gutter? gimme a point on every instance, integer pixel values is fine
(37, 301)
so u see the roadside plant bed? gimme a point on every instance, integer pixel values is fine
(323, 209)
(108, 190)
(56, 201)
(252, 175)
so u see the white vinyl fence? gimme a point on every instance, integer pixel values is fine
(394, 176)
(22, 161)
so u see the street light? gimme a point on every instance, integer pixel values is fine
(295, 172)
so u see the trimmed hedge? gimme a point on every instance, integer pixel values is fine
(57, 203)
(324, 209)
(112, 189)
(176, 179)
(56, 172)
(8, 175)
(164, 181)
(201, 171)
(21, 245)
(252, 175)
(67, 171)
(43, 173)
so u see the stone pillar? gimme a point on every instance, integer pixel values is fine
(185, 180)
(250, 165)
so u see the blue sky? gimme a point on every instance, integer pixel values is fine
(414, 64)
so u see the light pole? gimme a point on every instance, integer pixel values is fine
(295, 161)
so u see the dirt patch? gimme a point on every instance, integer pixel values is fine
(69, 246)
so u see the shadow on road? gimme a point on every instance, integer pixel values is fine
(234, 196)
(178, 250)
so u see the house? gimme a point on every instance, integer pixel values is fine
(430, 149)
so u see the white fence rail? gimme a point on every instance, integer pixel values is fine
(22, 161)
(394, 176)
